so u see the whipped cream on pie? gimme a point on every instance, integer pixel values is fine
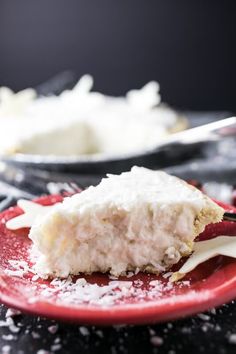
(84, 122)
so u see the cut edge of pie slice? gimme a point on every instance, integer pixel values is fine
(139, 220)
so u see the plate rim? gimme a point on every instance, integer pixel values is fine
(127, 314)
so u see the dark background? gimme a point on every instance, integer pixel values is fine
(187, 45)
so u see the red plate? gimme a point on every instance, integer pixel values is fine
(211, 284)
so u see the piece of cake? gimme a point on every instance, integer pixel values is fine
(82, 122)
(141, 219)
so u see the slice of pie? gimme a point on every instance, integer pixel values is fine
(139, 220)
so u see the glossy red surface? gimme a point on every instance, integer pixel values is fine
(210, 284)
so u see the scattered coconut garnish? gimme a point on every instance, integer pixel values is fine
(156, 341)
(35, 335)
(12, 312)
(204, 250)
(56, 347)
(8, 337)
(204, 317)
(232, 338)
(53, 329)
(71, 292)
(154, 282)
(9, 323)
(6, 349)
(18, 268)
(32, 211)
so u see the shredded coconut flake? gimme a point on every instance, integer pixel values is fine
(35, 335)
(56, 347)
(6, 349)
(76, 292)
(204, 317)
(84, 331)
(232, 338)
(19, 268)
(53, 329)
(156, 341)
(12, 312)
(8, 337)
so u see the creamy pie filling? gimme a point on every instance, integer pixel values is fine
(141, 219)
(83, 122)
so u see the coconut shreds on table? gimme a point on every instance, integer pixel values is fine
(12, 312)
(6, 349)
(156, 341)
(232, 338)
(74, 292)
(53, 329)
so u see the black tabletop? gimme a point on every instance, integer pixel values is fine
(212, 332)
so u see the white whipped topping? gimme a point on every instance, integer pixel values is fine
(80, 121)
